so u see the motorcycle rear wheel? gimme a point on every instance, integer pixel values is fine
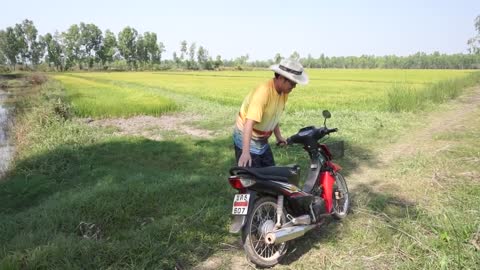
(341, 197)
(260, 221)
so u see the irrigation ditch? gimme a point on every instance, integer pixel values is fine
(12, 88)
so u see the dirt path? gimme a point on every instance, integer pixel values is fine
(420, 140)
(152, 127)
(417, 141)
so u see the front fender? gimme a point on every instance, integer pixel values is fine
(335, 167)
(239, 221)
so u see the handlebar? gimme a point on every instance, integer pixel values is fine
(331, 130)
(315, 134)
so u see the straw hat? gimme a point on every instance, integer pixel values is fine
(292, 70)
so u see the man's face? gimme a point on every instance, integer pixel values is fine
(287, 85)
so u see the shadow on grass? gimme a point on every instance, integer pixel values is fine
(13, 76)
(153, 203)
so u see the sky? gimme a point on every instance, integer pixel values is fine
(263, 28)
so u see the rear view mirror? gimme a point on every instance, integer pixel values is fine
(326, 114)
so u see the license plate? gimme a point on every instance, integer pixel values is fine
(240, 204)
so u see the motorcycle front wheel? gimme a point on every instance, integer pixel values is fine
(341, 197)
(260, 221)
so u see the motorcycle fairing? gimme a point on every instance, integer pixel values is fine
(312, 176)
(334, 166)
(326, 181)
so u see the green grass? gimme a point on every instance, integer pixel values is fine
(158, 204)
(420, 212)
(444, 211)
(403, 97)
(333, 89)
(93, 99)
(150, 200)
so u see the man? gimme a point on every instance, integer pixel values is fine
(260, 113)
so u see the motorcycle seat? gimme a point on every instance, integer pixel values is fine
(288, 174)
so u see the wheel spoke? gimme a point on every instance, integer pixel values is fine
(272, 249)
(258, 242)
(264, 213)
(263, 250)
(341, 204)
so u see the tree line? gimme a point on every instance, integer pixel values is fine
(85, 46)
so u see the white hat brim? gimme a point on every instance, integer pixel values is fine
(300, 79)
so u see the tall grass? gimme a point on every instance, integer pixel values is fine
(93, 99)
(404, 97)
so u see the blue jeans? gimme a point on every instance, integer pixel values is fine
(258, 161)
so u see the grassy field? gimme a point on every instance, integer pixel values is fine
(80, 197)
(335, 89)
(95, 99)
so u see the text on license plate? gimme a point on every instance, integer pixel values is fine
(240, 204)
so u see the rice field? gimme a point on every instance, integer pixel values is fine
(95, 99)
(129, 93)
(83, 197)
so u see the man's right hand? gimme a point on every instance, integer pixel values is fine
(245, 160)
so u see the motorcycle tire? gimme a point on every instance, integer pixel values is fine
(260, 221)
(341, 197)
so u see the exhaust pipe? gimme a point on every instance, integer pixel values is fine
(287, 234)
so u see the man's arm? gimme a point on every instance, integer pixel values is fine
(278, 135)
(245, 159)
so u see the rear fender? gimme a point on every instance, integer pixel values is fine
(239, 221)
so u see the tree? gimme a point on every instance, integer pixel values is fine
(10, 46)
(21, 44)
(3, 59)
(202, 57)
(191, 52)
(141, 50)
(38, 51)
(127, 45)
(323, 61)
(278, 58)
(242, 60)
(474, 43)
(107, 48)
(176, 59)
(183, 49)
(72, 42)
(90, 43)
(218, 62)
(31, 49)
(54, 51)
(295, 55)
(161, 50)
(151, 47)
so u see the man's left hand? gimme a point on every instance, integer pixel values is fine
(281, 142)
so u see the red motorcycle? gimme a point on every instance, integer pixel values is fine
(270, 209)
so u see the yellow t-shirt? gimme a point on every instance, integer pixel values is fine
(263, 105)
